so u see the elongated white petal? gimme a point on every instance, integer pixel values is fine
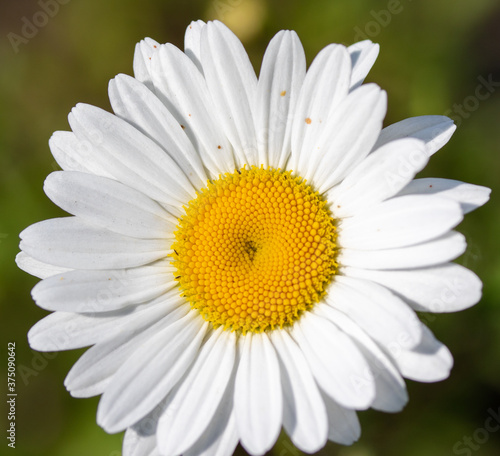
(192, 42)
(233, 85)
(135, 444)
(381, 314)
(446, 288)
(102, 291)
(135, 103)
(363, 55)
(431, 361)
(391, 395)
(349, 135)
(130, 156)
(281, 76)
(400, 222)
(93, 372)
(142, 60)
(148, 425)
(70, 242)
(64, 148)
(194, 405)
(221, 437)
(334, 360)
(378, 177)
(183, 90)
(258, 398)
(107, 203)
(438, 251)
(67, 331)
(325, 86)
(343, 423)
(150, 373)
(74, 154)
(469, 196)
(435, 131)
(37, 268)
(304, 414)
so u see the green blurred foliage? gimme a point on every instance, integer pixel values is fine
(432, 54)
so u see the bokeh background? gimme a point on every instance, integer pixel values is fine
(433, 56)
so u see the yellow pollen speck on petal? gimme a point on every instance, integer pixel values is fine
(255, 250)
(283, 93)
(308, 121)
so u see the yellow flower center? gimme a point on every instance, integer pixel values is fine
(255, 250)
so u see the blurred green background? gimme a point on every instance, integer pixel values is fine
(432, 54)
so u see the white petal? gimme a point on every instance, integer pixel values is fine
(391, 395)
(37, 268)
(135, 444)
(194, 404)
(148, 425)
(438, 251)
(446, 288)
(378, 177)
(258, 398)
(221, 437)
(150, 373)
(92, 373)
(304, 414)
(67, 331)
(381, 314)
(363, 55)
(192, 42)
(343, 424)
(109, 204)
(135, 103)
(184, 92)
(400, 222)
(131, 157)
(281, 76)
(435, 131)
(233, 85)
(70, 242)
(142, 60)
(469, 196)
(325, 86)
(431, 361)
(64, 145)
(102, 291)
(74, 154)
(349, 135)
(335, 361)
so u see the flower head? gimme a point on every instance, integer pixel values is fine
(247, 254)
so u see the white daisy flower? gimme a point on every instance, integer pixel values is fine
(247, 254)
